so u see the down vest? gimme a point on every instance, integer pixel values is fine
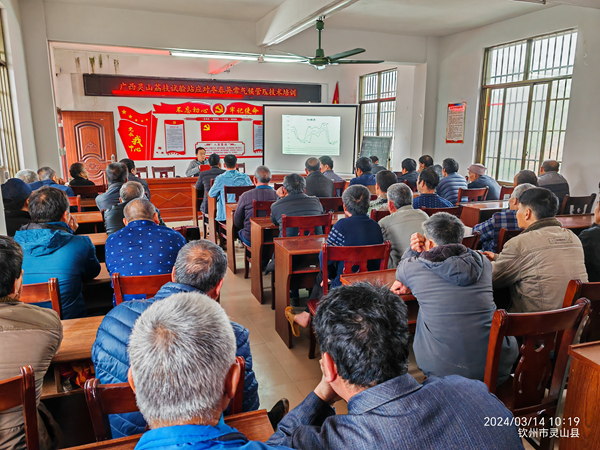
(111, 361)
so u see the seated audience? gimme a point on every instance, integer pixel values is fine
(49, 178)
(184, 374)
(525, 176)
(550, 179)
(538, 264)
(425, 161)
(193, 169)
(402, 223)
(204, 179)
(409, 173)
(507, 218)
(231, 177)
(327, 168)
(590, 239)
(28, 176)
(451, 182)
(439, 170)
(426, 184)
(375, 165)
(383, 180)
(478, 179)
(363, 334)
(29, 335)
(200, 268)
(113, 217)
(15, 195)
(317, 184)
(51, 250)
(245, 211)
(453, 285)
(363, 173)
(132, 175)
(79, 175)
(116, 175)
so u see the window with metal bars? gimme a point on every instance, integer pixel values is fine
(525, 103)
(9, 154)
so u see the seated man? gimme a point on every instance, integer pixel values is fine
(409, 173)
(15, 195)
(193, 169)
(317, 184)
(362, 169)
(384, 179)
(363, 334)
(452, 181)
(453, 285)
(590, 239)
(550, 179)
(114, 217)
(204, 179)
(49, 178)
(79, 175)
(200, 268)
(426, 184)
(525, 176)
(184, 374)
(28, 335)
(538, 264)
(116, 175)
(51, 250)
(425, 161)
(478, 179)
(402, 223)
(375, 163)
(245, 211)
(132, 175)
(28, 176)
(231, 177)
(327, 169)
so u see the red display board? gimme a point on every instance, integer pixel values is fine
(219, 131)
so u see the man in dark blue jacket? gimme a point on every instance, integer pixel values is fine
(362, 169)
(49, 178)
(478, 179)
(200, 267)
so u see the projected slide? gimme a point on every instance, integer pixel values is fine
(311, 135)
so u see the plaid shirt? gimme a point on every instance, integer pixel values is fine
(490, 229)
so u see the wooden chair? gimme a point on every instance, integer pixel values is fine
(143, 284)
(75, 202)
(119, 398)
(306, 224)
(578, 205)
(237, 192)
(410, 185)
(506, 190)
(277, 185)
(42, 293)
(163, 172)
(504, 236)
(259, 209)
(196, 203)
(378, 215)
(333, 204)
(577, 289)
(371, 189)
(473, 195)
(472, 241)
(142, 170)
(338, 188)
(241, 167)
(455, 210)
(351, 257)
(89, 191)
(524, 394)
(17, 391)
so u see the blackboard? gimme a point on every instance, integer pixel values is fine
(378, 146)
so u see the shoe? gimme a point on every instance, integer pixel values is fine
(281, 408)
(295, 301)
(289, 315)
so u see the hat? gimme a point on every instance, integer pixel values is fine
(15, 191)
(477, 169)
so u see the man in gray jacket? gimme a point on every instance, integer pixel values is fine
(551, 179)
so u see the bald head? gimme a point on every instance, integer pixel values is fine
(140, 209)
(550, 165)
(130, 191)
(312, 165)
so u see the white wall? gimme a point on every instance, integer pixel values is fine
(461, 63)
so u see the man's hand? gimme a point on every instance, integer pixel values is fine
(399, 289)
(490, 255)
(597, 213)
(324, 390)
(281, 192)
(73, 225)
(417, 242)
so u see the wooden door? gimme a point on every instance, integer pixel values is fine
(90, 139)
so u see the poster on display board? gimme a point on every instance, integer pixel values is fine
(455, 124)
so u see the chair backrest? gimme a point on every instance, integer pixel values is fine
(142, 170)
(143, 284)
(578, 205)
(506, 192)
(89, 191)
(354, 257)
(204, 167)
(277, 185)
(472, 195)
(378, 215)
(504, 236)
(163, 172)
(261, 208)
(455, 210)
(119, 398)
(371, 189)
(472, 241)
(236, 191)
(75, 201)
(577, 289)
(42, 293)
(20, 390)
(241, 167)
(409, 184)
(541, 333)
(333, 204)
(338, 188)
(306, 224)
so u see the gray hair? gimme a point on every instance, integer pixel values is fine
(180, 351)
(356, 199)
(27, 175)
(400, 195)
(139, 209)
(443, 229)
(46, 173)
(294, 184)
(131, 190)
(262, 174)
(518, 191)
(200, 264)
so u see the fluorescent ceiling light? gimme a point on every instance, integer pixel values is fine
(218, 55)
(539, 2)
(282, 59)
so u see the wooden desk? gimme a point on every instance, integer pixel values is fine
(583, 398)
(577, 222)
(262, 232)
(212, 219)
(88, 217)
(172, 196)
(88, 203)
(477, 212)
(78, 337)
(231, 231)
(297, 261)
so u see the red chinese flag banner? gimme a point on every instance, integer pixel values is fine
(219, 131)
(336, 94)
(137, 132)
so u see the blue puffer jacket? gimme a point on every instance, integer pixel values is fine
(111, 361)
(449, 186)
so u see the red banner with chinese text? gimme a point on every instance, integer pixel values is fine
(137, 132)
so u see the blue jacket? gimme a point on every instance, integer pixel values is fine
(111, 361)
(449, 186)
(50, 183)
(486, 181)
(366, 179)
(229, 178)
(51, 250)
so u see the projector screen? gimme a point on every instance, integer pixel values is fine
(293, 133)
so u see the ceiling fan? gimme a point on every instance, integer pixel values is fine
(320, 61)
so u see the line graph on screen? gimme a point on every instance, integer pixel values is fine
(311, 135)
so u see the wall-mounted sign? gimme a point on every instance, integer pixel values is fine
(123, 86)
(455, 125)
